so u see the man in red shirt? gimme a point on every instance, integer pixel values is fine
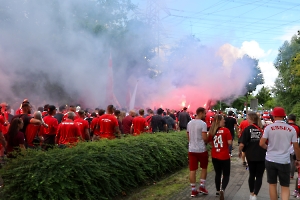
(95, 125)
(139, 124)
(149, 118)
(68, 131)
(83, 125)
(35, 131)
(108, 124)
(50, 131)
(243, 125)
(127, 121)
(72, 108)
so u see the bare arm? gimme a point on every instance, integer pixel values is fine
(204, 137)
(131, 129)
(35, 121)
(262, 143)
(87, 133)
(117, 131)
(296, 150)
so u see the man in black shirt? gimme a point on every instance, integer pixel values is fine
(59, 115)
(183, 119)
(158, 123)
(231, 124)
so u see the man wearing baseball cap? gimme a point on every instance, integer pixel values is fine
(280, 135)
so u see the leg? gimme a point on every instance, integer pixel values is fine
(292, 164)
(285, 193)
(244, 158)
(226, 173)
(193, 177)
(273, 191)
(260, 168)
(252, 173)
(203, 174)
(218, 173)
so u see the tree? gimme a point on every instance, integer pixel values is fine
(287, 84)
(264, 95)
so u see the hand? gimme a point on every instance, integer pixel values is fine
(240, 154)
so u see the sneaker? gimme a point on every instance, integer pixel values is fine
(244, 164)
(221, 195)
(217, 193)
(202, 190)
(194, 193)
(295, 193)
(254, 198)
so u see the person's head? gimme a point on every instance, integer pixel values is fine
(141, 112)
(292, 118)
(101, 112)
(164, 113)
(14, 128)
(37, 115)
(62, 108)
(46, 106)
(160, 111)
(94, 114)
(132, 113)
(71, 115)
(81, 113)
(201, 113)
(230, 113)
(117, 113)
(151, 112)
(3, 106)
(26, 108)
(51, 110)
(41, 109)
(184, 108)
(278, 113)
(72, 108)
(110, 109)
(252, 117)
(218, 121)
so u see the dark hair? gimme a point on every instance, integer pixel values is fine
(101, 112)
(81, 112)
(61, 108)
(141, 111)
(13, 130)
(110, 108)
(41, 109)
(292, 117)
(117, 112)
(230, 113)
(200, 110)
(215, 124)
(94, 114)
(46, 107)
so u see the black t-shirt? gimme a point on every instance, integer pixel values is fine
(157, 123)
(184, 119)
(59, 117)
(26, 120)
(250, 138)
(173, 116)
(170, 122)
(229, 123)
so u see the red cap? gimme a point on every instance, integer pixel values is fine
(278, 112)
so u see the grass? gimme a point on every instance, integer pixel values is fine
(166, 187)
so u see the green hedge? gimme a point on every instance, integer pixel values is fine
(94, 170)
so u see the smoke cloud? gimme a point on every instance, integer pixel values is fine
(58, 52)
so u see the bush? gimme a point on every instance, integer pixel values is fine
(94, 170)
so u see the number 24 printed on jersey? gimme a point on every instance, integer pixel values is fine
(218, 142)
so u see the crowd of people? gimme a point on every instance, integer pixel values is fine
(48, 126)
(271, 146)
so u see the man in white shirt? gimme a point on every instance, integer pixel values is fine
(197, 135)
(280, 135)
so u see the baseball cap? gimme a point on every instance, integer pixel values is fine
(278, 112)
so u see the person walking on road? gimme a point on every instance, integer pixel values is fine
(197, 136)
(249, 143)
(279, 136)
(221, 139)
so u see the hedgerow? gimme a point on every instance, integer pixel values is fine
(94, 170)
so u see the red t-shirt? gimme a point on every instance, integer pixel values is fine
(148, 120)
(127, 121)
(3, 128)
(1, 122)
(94, 126)
(139, 124)
(68, 132)
(82, 124)
(219, 148)
(107, 124)
(52, 125)
(31, 131)
(242, 126)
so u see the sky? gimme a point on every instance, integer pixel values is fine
(254, 27)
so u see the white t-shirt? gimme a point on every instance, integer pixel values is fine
(195, 129)
(280, 136)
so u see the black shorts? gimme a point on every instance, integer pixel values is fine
(275, 170)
